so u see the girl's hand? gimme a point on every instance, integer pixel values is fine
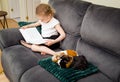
(50, 42)
(24, 27)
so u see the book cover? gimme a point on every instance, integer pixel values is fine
(31, 35)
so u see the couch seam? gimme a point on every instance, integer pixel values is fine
(25, 72)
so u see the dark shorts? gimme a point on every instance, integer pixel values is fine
(54, 46)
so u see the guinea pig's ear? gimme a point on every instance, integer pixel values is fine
(62, 54)
(54, 59)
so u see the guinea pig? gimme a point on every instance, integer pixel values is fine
(65, 61)
(75, 62)
(59, 54)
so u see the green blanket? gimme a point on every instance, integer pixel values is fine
(66, 75)
(22, 23)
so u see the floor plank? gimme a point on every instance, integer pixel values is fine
(11, 24)
(3, 78)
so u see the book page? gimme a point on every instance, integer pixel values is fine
(31, 35)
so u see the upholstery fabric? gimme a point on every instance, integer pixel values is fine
(70, 14)
(18, 59)
(92, 30)
(14, 55)
(9, 37)
(101, 26)
(100, 32)
(107, 63)
(97, 77)
(38, 74)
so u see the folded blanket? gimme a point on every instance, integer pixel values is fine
(66, 74)
(22, 23)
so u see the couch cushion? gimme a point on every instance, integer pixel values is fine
(9, 37)
(70, 14)
(69, 42)
(18, 59)
(38, 74)
(98, 77)
(107, 63)
(101, 27)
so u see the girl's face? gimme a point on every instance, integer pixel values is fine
(44, 18)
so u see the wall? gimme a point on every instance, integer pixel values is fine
(44, 1)
(27, 8)
(4, 5)
(111, 3)
(0, 5)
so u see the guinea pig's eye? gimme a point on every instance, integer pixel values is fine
(65, 61)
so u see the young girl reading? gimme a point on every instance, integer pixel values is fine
(51, 30)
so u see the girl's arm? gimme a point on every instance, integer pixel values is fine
(61, 37)
(31, 25)
(61, 32)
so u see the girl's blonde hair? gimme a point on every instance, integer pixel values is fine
(44, 9)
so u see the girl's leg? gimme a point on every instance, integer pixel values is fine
(25, 44)
(43, 49)
(37, 48)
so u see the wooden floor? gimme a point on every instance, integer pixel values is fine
(1, 69)
(3, 78)
(11, 24)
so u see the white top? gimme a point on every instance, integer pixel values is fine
(48, 29)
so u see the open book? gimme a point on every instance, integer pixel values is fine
(32, 35)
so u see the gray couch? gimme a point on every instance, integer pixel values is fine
(91, 30)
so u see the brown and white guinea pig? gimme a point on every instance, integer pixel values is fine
(59, 54)
(70, 61)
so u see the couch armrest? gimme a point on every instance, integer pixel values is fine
(9, 37)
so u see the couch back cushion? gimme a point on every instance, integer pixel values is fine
(101, 27)
(107, 64)
(100, 39)
(70, 14)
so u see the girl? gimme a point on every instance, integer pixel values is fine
(51, 30)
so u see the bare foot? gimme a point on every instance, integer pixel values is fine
(43, 53)
(25, 44)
